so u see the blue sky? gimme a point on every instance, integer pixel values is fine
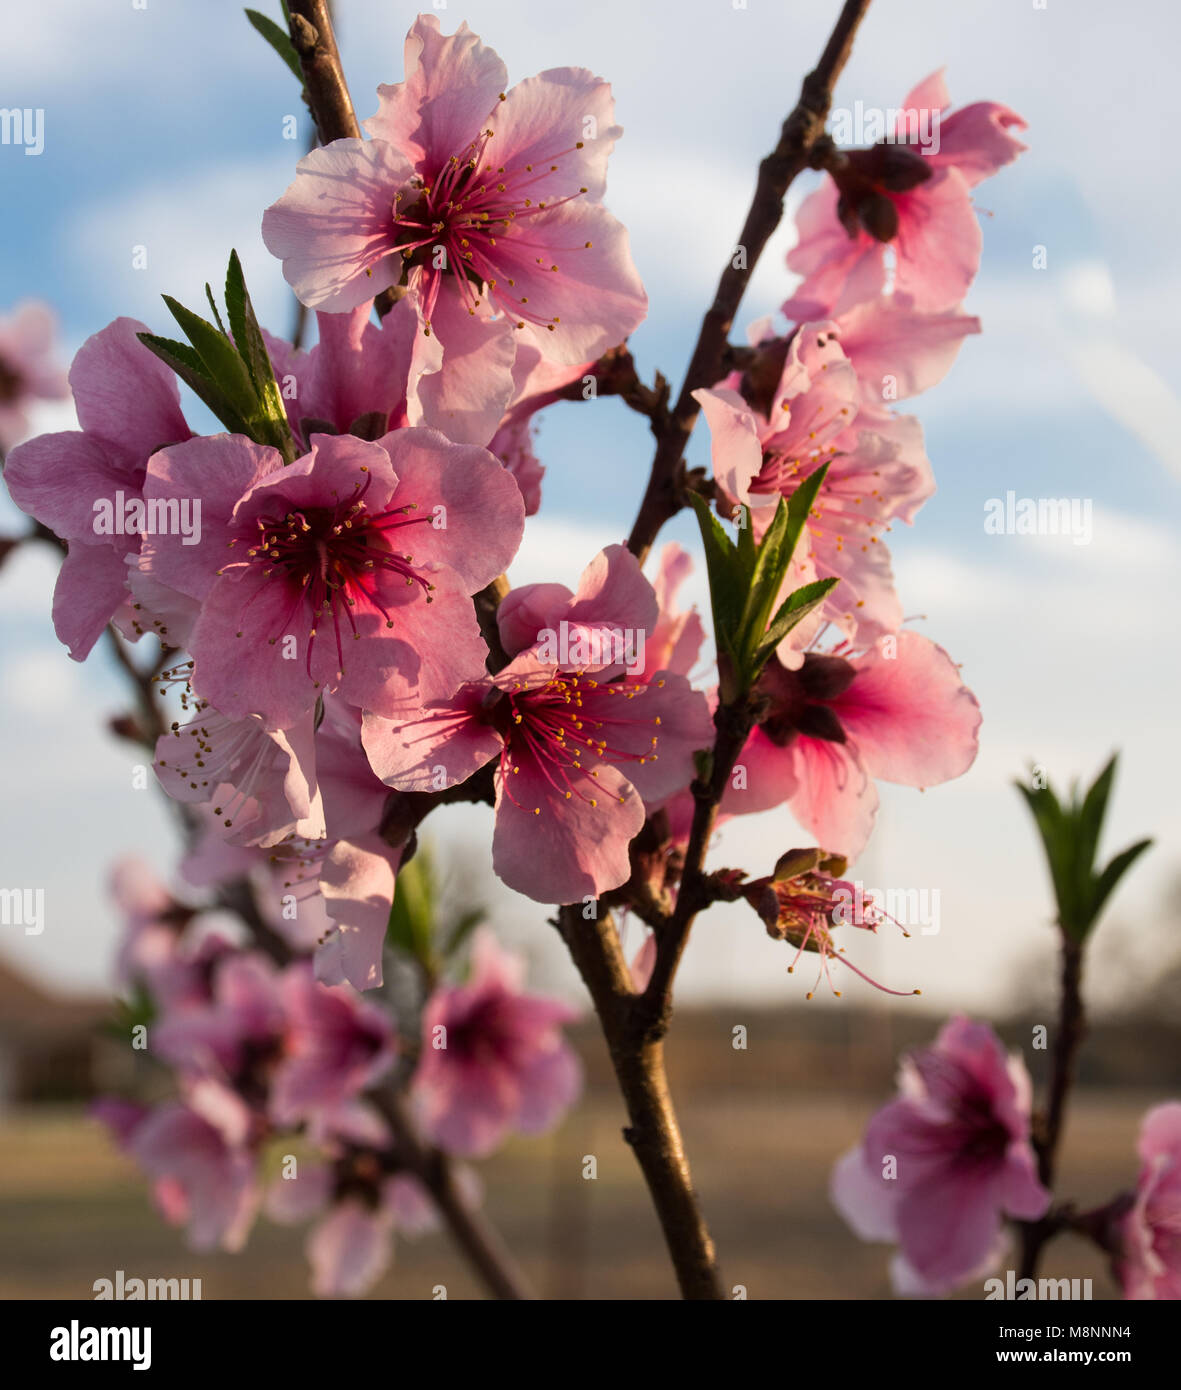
(163, 128)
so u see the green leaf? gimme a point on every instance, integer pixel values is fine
(186, 363)
(271, 416)
(794, 608)
(463, 928)
(412, 912)
(1070, 837)
(774, 557)
(1106, 881)
(278, 39)
(213, 306)
(224, 366)
(746, 542)
(1089, 816)
(1054, 827)
(727, 591)
(765, 581)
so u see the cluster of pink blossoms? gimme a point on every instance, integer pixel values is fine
(877, 319)
(273, 1073)
(332, 670)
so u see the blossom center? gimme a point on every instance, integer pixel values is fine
(333, 561)
(451, 226)
(551, 724)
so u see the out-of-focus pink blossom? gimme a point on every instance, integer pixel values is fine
(940, 1167)
(493, 1057)
(1149, 1265)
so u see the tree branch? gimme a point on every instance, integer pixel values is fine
(801, 133)
(1047, 1132)
(323, 77)
(637, 1055)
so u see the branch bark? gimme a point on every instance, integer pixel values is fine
(801, 133)
(323, 77)
(637, 1055)
(1047, 1133)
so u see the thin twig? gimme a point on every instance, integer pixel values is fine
(801, 132)
(1047, 1130)
(323, 77)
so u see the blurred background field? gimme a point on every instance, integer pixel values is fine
(762, 1127)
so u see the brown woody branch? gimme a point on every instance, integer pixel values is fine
(802, 134)
(637, 1055)
(1047, 1128)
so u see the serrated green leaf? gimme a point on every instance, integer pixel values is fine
(213, 306)
(746, 541)
(764, 582)
(278, 39)
(774, 558)
(192, 371)
(223, 363)
(727, 582)
(271, 415)
(798, 604)
(169, 350)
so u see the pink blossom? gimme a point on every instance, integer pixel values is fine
(906, 196)
(128, 405)
(356, 882)
(941, 1166)
(1149, 1266)
(263, 781)
(198, 1153)
(806, 908)
(335, 1046)
(491, 202)
(878, 472)
(28, 368)
(233, 1033)
(677, 638)
(361, 378)
(359, 1205)
(537, 382)
(493, 1057)
(898, 711)
(513, 446)
(351, 1246)
(578, 755)
(896, 350)
(298, 562)
(163, 949)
